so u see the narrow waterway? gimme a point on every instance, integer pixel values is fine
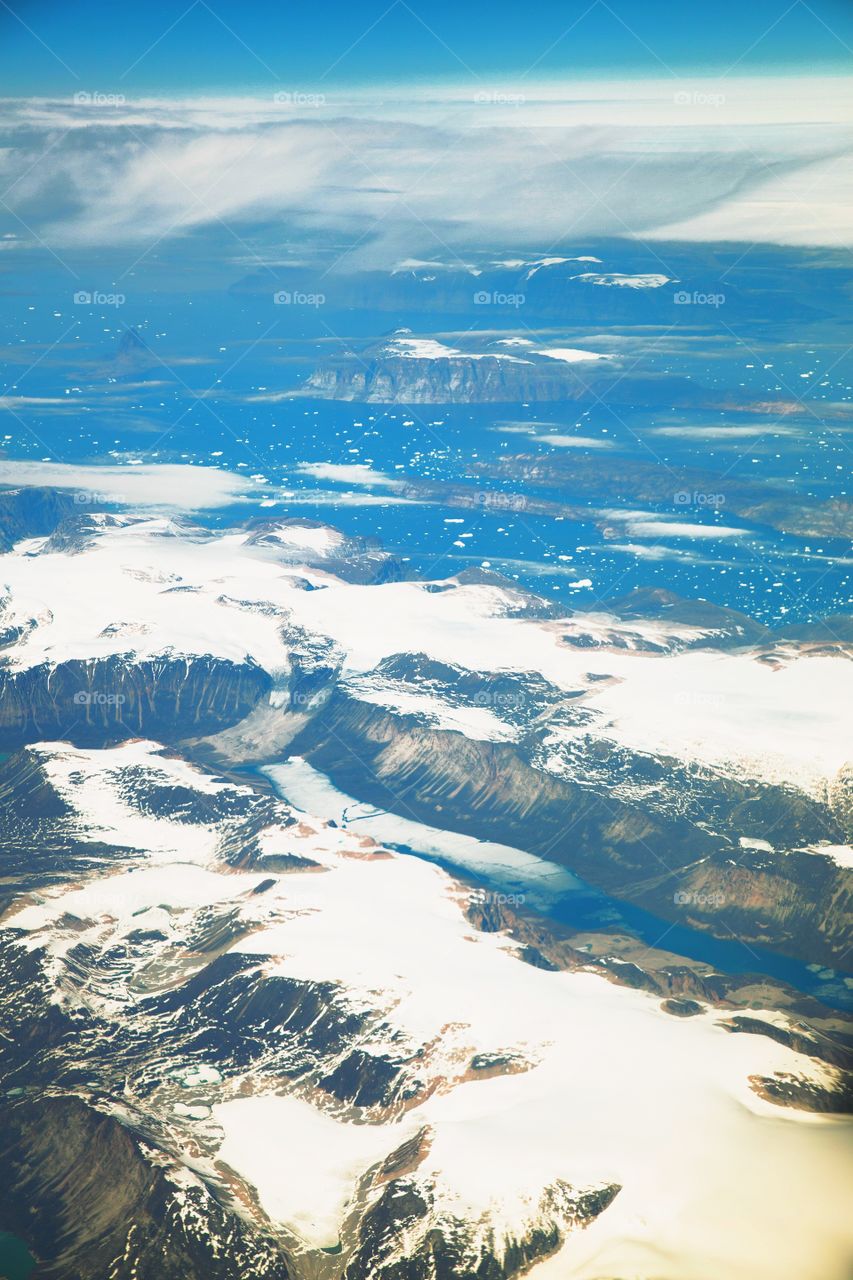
(546, 887)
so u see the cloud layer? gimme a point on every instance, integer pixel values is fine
(434, 172)
(162, 487)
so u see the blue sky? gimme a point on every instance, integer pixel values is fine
(169, 46)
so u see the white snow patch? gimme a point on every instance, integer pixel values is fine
(571, 355)
(141, 898)
(420, 349)
(320, 539)
(431, 349)
(539, 263)
(841, 854)
(619, 280)
(304, 1164)
(474, 722)
(90, 782)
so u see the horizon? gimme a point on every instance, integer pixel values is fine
(50, 47)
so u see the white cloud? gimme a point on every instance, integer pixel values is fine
(741, 158)
(349, 473)
(575, 442)
(644, 552)
(719, 433)
(811, 205)
(344, 498)
(11, 403)
(166, 487)
(681, 529)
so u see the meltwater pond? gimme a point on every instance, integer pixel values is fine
(16, 1261)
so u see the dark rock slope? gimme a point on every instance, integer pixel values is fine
(104, 700)
(32, 513)
(93, 1205)
(382, 377)
(669, 846)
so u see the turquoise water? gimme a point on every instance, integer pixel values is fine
(16, 1261)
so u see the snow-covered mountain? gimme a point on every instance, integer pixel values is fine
(333, 1065)
(692, 758)
(305, 1053)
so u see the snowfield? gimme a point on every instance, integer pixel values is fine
(571, 355)
(152, 588)
(602, 1086)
